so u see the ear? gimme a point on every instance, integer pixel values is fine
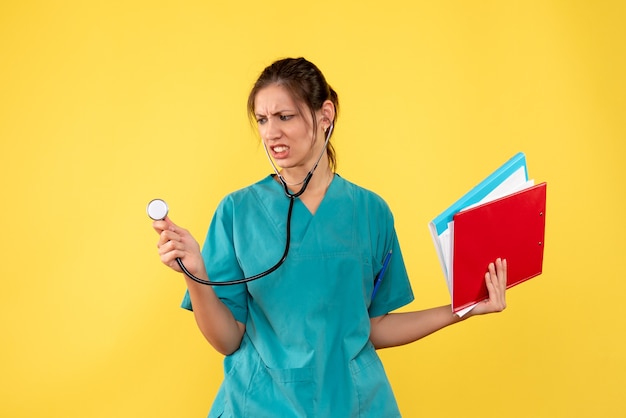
(328, 112)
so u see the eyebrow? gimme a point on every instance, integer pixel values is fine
(277, 113)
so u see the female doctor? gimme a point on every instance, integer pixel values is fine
(301, 342)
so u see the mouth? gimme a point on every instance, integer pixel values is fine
(280, 151)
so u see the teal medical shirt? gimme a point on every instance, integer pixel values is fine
(306, 349)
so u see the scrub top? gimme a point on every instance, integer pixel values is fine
(306, 350)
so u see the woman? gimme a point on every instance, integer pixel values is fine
(301, 341)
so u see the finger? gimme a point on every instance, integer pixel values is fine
(169, 222)
(168, 253)
(502, 273)
(172, 250)
(159, 226)
(491, 271)
(168, 236)
(171, 226)
(494, 277)
(492, 280)
(490, 286)
(170, 259)
(163, 224)
(498, 264)
(170, 246)
(498, 278)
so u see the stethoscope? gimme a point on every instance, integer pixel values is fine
(157, 210)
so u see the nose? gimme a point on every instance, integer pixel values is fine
(270, 130)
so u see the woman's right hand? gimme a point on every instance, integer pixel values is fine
(176, 242)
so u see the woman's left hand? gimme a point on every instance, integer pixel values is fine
(495, 278)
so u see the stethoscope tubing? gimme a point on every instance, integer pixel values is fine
(256, 276)
(292, 198)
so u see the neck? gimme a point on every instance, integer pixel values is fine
(321, 178)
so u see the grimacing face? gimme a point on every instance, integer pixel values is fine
(285, 130)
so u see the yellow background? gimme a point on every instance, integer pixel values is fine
(106, 105)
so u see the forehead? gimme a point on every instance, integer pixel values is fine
(273, 98)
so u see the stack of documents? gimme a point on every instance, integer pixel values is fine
(502, 217)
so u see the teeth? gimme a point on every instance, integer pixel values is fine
(280, 149)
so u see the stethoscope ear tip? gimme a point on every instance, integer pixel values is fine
(157, 209)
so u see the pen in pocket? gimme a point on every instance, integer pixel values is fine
(381, 274)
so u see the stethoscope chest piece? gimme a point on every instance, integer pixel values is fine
(157, 209)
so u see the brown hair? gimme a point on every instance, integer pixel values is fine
(305, 83)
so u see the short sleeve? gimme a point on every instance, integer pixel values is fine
(221, 262)
(395, 289)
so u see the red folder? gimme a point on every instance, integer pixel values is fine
(511, 228)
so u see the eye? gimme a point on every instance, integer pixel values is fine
(285, 118)
(261, 121)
